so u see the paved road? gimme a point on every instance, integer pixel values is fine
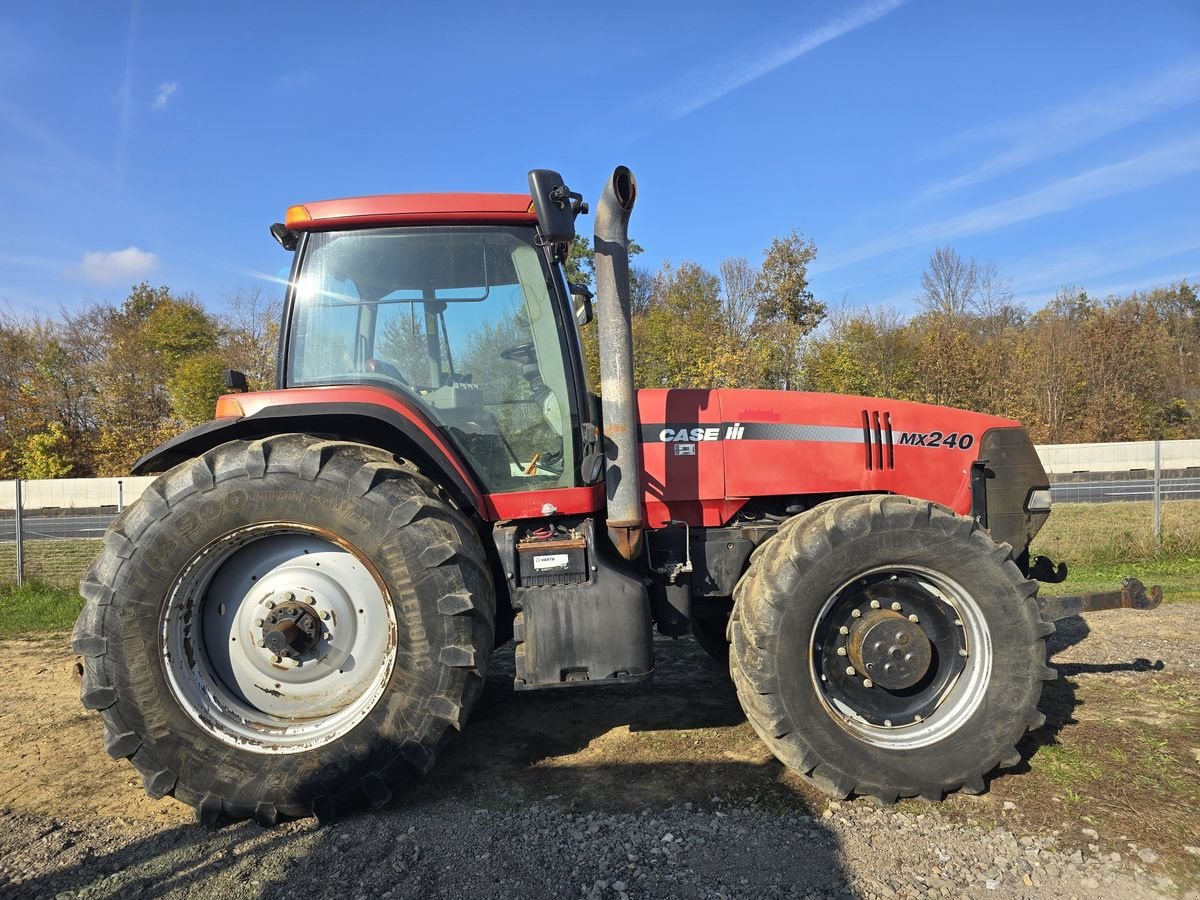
(1129, 489)
(59, 527)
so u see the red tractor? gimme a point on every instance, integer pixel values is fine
(298, 613)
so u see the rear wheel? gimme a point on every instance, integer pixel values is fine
(285, 627)
(884, 646)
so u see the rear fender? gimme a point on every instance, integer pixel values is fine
(368, 423)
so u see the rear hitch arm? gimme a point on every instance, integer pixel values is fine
(1132, 595)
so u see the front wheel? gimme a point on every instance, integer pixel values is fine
(285, 627)
(884, 646)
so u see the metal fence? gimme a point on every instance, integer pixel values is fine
(50, 530)
(1157, 471)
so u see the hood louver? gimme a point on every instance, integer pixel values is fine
(877, 440)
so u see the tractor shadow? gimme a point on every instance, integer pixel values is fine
(544, 792)
(679, 737)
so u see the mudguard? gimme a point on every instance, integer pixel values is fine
(365, 414)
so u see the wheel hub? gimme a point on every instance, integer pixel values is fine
(292, 629)
(889, 649)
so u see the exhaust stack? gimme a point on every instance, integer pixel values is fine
(622, 454)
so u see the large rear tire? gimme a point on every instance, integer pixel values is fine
(884, 646)
(285, 627)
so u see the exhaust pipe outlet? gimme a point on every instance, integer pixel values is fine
(622, 453)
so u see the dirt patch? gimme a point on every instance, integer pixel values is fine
(52, 749)
(575, 771)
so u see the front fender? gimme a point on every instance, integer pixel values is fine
(385, 423)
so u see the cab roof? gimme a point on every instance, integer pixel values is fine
(411, 209)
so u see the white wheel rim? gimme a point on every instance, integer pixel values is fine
(243, 693)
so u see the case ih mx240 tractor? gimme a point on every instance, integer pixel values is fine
(297, 614)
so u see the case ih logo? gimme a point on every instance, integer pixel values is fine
(731, 432)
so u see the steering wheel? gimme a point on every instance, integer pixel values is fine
(380, 367)
(520, 353)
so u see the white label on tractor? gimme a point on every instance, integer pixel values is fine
(551, 561)
(685, 449)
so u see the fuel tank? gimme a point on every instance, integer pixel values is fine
(706, 453)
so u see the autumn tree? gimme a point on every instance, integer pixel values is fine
(949, 283)
(786, 310)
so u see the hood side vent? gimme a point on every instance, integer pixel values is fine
(877, 440)
(867, 440)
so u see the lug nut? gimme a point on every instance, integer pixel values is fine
(963, 652)
(913, 618)
(277, 659)
(289, 597)
(874, 604)
(310, 599)
(843, 630)
(270, 604)
(855, 613)
(326, 636)
(325, 614)
(896, 605)
(867, 682)
(260, 643)
(918, 719)
(841, 651)
(258, 623)
(849, 670)
(887, 722)
(958, 622)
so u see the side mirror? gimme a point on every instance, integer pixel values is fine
(583, 303)
(236, 381)
(552, 203)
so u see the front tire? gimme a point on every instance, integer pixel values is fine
(884, 646)
(285, 627)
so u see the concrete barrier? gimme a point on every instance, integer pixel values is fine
(72, 495)
(1125, 457)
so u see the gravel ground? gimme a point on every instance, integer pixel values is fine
(466, 846)
(655, 791)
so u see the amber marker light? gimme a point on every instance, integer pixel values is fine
(296, 215)
(228, 407)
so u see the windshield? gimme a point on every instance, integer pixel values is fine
(459, 319)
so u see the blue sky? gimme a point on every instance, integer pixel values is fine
(1060, 141)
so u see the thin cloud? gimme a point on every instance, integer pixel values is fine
(1149, 168)
(117, 266)
(125, 94)
(298, 80)
(1076, 123)
(1053, 269)
(37, 133)
(163, 95)
(11, 261)
(707, 83)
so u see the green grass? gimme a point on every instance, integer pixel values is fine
(1100, 542)
(37, 609)
(1104, 542)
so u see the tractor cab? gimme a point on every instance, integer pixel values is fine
(465, 321)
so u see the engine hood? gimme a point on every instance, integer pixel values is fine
(707, 452)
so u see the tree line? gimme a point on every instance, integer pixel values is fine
(1081, 369)
(89, 392)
